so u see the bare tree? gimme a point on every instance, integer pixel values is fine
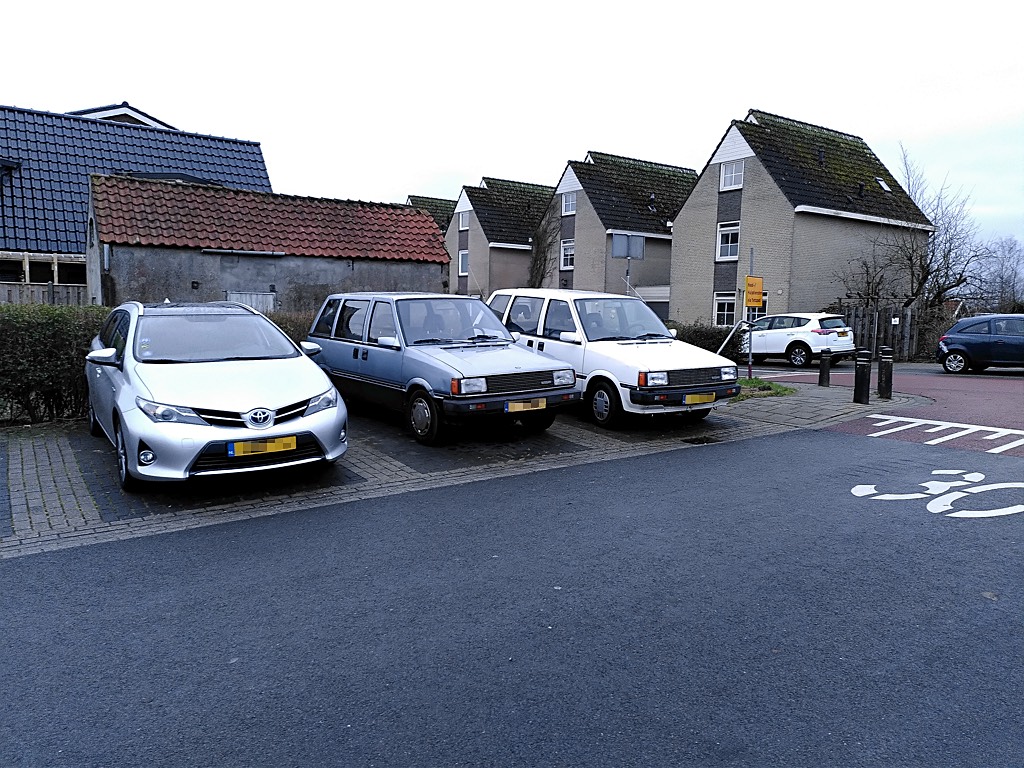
(1002, 273)
(544, 254)
(930, 270)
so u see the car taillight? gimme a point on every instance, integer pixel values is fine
(821, 331)
(942, 338)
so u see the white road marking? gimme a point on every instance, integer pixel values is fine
(904, 423)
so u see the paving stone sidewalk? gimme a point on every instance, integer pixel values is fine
(61, 486)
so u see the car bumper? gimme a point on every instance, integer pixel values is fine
(520, 402)
(844, 348)
(673, 400)
(189, 450)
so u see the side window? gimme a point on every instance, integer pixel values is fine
(382, 322)
(762, 324)
(525, 314)
(107, 332)
(781, 323)
(499, 303)
(558, 319)
(119, 337)
(351, 321)
(800, 322)
(981, 327)
(325, 323)
(1010, 326)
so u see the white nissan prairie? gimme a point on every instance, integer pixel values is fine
(626, 360)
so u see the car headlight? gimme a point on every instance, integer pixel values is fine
(475, 386)
(729, 372)
(565, 378)
(653, 379)
(328, 399)
(168, 414)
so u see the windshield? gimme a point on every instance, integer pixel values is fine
(206, 338)
(619, 319)
(443, 320)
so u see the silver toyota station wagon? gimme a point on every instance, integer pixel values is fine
(440, 359)
(216, 388)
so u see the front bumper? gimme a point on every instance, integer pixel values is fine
(674, 399)
(460, 407)
(188, 450)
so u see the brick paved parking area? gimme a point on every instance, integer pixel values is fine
(61, 484)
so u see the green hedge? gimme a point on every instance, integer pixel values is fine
(709, 337)
(42, 360)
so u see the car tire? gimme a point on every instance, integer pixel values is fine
(979, 367)
(799, 355)
(955, 362)
(94, 425)
(424, 418)
(605, 408)
(535, 423)
(125, 478)
(758, 359)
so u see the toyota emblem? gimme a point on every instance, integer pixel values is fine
(259, 418)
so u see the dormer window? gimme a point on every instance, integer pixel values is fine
(568, 203)
(882, 184)
(732, 175)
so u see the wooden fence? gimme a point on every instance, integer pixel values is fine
(910, 333)
(43, 293)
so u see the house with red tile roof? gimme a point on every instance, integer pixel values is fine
(150, 240)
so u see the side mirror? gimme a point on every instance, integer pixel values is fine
(309, 348)
(516, 335)
(572, 337)
(391, 342)
(106, 356)
(674, 332)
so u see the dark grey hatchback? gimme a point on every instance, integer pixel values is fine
(980, 342)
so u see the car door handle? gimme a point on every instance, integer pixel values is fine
(355, 353)
(540, 346)
(365, 353)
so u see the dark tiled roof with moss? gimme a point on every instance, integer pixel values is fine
(634, 195)
(823, 168)
(509, 211)
(442, 210)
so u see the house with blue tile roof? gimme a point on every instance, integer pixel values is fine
(46, 160)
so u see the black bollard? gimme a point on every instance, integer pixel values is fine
(885, 373)
(825, 367)
(862, 378)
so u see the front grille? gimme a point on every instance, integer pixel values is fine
(520, 382)
(234, 419)
(693, 377)
(215, 456)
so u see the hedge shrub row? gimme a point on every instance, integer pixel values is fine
(709, 337)
(42, 360)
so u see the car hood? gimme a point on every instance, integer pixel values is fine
(488, 359)
(657, 355)
(238, 385)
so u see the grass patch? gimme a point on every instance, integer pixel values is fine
(760, 388)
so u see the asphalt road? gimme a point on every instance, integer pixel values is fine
(731, 605)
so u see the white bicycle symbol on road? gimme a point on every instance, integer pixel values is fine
(944, 502)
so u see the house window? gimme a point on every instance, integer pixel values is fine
(568, 203)
(728, 241)
(755, 313)
(725, 308)
(732, 175)
(463, 263)
(568, 255)
(463, 220)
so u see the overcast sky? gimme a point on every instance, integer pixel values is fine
(376, 101)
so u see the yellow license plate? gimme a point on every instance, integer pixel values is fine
(526, 405)
(695, 399)
(249, 447)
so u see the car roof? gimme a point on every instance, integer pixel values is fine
(195, 308)
(808, 315)
(564, 293)
(399, 295)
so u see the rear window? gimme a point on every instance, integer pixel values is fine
(981, 327)
(833, 322)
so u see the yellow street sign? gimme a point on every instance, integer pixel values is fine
(755, 291)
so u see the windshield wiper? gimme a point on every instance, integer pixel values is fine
(486, 337)
(432, 341)
(653, 336)
(615, 338)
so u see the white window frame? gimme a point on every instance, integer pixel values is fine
(568, 203)
(732, 175)
(725, 298)
(727, 228)
(567, 262)
(464, 263)
(463, 220)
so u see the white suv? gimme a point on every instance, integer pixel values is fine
(800, 337)
(625, 359)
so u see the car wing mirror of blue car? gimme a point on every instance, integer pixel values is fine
(106, 356)
(309, 348)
